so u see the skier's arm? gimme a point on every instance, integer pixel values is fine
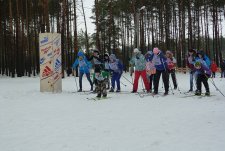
(75, 64)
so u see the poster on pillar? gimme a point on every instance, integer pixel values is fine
(50, 62)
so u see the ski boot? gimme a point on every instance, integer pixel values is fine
(117, 90)
(198, 93)
(207, 93)
(111, 90)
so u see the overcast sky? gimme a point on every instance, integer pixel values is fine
(88, 5)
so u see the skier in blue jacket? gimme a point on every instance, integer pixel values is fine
(161, 66)
(116, 67)
(84, 66)
(203, 58)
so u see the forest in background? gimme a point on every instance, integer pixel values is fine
(121, 26)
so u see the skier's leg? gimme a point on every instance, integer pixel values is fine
(98, 88)
(199, 85)
(165, 77)
(137, 75)
(173, 75)
(156, 81)
(104, 89)
(89, 79)
(205, 82)
(113, 79)
(191, 80)
(118, 82)
(145, 80)
(80, 80)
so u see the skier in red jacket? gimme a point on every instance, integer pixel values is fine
(213, 69)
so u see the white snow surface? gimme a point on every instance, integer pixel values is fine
(35, 121)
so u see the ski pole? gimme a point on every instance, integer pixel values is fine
(217, 89)
(142, 85)
(171, 88)
(75, 81)
(127, 80)
(178, 88)
(123, 84)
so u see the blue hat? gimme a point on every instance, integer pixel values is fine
(80, 54)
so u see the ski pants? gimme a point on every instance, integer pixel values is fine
(101, 88)
(116, 79)
(165, 77)
(136, 79)
(88, 78)
(202, 78)
(173, 75)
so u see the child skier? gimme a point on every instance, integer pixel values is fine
(150, 68)
(203, 73)
(97, 63)
(171, 61)
(202, 56)
(160, 63)
(213, 69)
(116, 68)
(84, 67)
(138, 61)
(100, 83)
(190, 63)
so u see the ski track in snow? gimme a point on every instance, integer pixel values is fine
(35, 121)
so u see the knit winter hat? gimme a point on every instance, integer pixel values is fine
(96, 51)
(80, 54)
(169, 52)
(112, 57)
(149, 52)
(106, 54)
(197, 64)
(201, 52)
(136, 50)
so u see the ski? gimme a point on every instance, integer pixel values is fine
(97, 99)
(199, 96)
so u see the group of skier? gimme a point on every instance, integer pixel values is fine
(149, 66)
(103, 68)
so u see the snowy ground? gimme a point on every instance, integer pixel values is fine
(34, 121)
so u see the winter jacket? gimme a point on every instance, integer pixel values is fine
(213, 67)
(171, 63)
(97, 62)
(204, 69)
(115, 65)
(160, 61)
(138, 61)
(206, 59)
(190, 62)
(84, 64)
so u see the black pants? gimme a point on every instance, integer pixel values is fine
(88, 77)
(173, 75)
(202, 78)
(165, 77)
(213, 74)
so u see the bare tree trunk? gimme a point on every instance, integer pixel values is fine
(98, 45)
(86, 33)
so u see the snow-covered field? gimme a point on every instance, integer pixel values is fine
(34, 121)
